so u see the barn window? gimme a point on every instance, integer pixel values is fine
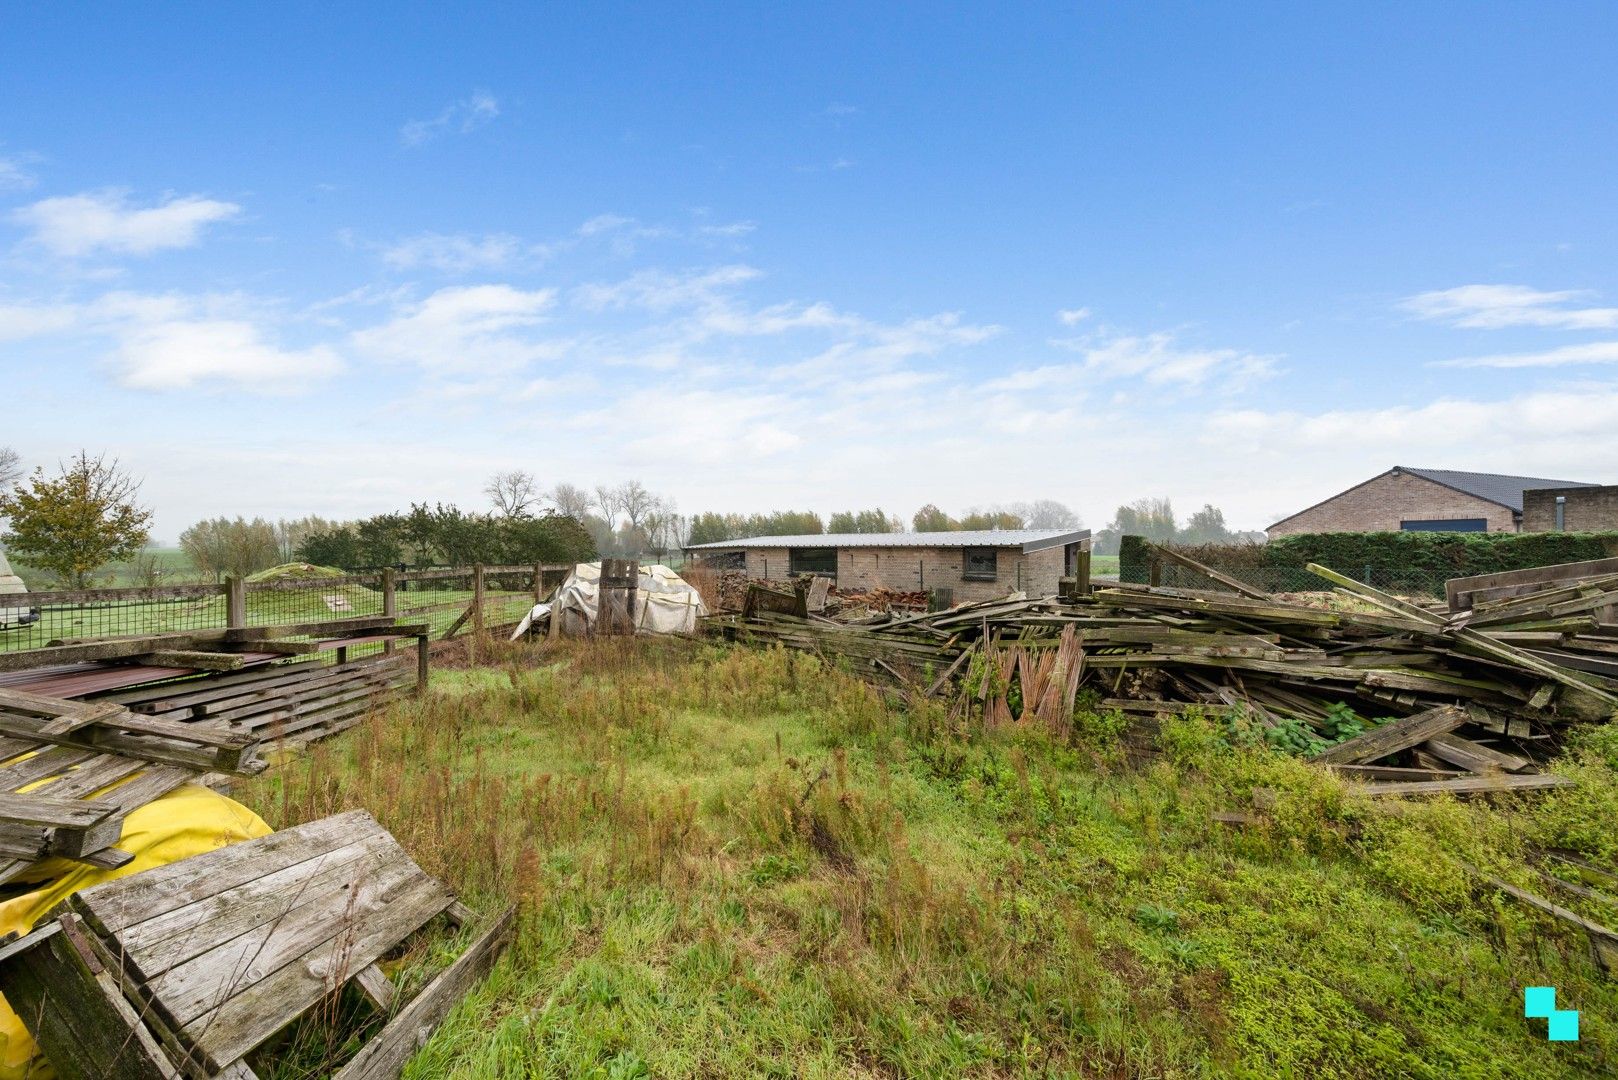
(822, 561)
(980, 564)
(1446, 525)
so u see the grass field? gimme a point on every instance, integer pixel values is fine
(742, 863)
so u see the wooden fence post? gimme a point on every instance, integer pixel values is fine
(235, 602)
(390, 603)
(539, 583)
(477, 599)
(1083, 572)
(1155, 575)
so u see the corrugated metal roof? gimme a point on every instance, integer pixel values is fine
(1495, 487)
(1027, 539)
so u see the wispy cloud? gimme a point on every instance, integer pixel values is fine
(1073, 316)
(14, 172)
(73, 226)
(1495, 307)
(456, 253)
(464, 328)
(176, 341)
(458, 118)
(1159, 359)
(1596, 352)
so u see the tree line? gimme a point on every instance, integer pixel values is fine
(1154, 518)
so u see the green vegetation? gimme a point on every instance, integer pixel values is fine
(743, 863)
(75, 523)
(1413, 562)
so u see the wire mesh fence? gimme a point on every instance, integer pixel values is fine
(449, 601)
(1400, 581)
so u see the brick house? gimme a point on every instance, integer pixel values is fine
(1422, 500)
(977, 565)
(1585, 508)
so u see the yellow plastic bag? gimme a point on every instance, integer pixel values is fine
(187, 821)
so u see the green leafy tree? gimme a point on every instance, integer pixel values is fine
(862, 521)
(992, 519)
(221, 546)
(711, 528)
(75, 523)
(931, 519)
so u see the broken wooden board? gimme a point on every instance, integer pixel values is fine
(207, 958)
(1465, 785)
(1393, 736)
(38, 826)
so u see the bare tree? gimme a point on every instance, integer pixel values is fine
(636, 503)
(1049, 514)
(571, 501)
(10, 467)
(512, 492)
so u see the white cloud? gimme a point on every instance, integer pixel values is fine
(461, 117)
(1159, 360)
(1073, 316)
(178, 354)
(457, 253)
(19, 321)
(1596, 352)
(77, 225)
(657, 290)
(1494, 307)
(471, 328)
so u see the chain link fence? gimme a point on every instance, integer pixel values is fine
(1287, 580)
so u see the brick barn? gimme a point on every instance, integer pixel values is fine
(974, 565)
(1422, 500)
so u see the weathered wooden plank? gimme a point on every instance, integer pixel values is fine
(118, 904)
(387, 1052)
(174, 936)
(1389, 772)
(195, 658)
(375, 985)
(1482, 643)
(315, 921)
(1472, 756)
(1466, 785)
(248, 1018)
(1602, 940)
(76, 1011)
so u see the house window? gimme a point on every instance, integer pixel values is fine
(1446, 525)
(822, 561)
(980, 564)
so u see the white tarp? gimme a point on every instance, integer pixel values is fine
(664, 603)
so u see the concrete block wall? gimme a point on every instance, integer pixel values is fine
(1382, 504)
(1589, 509)
(913, 569)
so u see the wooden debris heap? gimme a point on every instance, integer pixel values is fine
(1473, 698)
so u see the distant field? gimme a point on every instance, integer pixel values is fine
(1104, 564)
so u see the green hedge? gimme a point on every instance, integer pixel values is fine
(1416, 562)
(1436, 553)
(1133, 562)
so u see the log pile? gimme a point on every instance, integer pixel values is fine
(1466, 700)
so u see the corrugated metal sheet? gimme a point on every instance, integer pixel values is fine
(1026, 539)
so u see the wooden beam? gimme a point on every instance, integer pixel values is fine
(1465, 785)
(385, 1055)
(1207, 571)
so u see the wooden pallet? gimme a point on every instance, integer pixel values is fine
(185, 969)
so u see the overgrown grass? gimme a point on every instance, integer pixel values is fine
(743, 863)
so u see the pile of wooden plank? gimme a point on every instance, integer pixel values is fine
(1503, 672)
(291, 703)
(82, 749)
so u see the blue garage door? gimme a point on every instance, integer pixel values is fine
(1447, 525)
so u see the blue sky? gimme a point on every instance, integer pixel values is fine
(305, 260)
